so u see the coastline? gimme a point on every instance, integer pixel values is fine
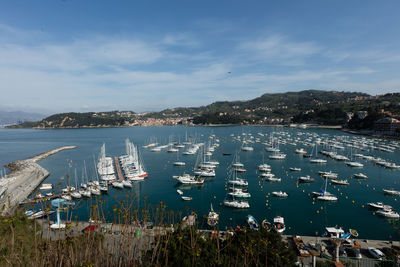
(25, 176)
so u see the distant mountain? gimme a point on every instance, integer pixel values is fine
(311, 106)
(17, 117)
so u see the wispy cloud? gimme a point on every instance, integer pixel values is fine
(109, 72)
(280, 50)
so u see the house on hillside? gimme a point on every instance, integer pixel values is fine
(387, 126)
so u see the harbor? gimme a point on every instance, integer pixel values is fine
(25, 177)
(265, 184)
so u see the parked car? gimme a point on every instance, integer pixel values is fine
(376, 253)
(353, 253)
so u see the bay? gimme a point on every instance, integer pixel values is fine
(303, 215)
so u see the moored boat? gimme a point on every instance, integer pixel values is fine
(279, 224)
(252, 222)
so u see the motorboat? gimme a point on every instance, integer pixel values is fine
(339, 182)
(179, 163)
(279, 224)
(379, 205)
(238, 181)
(330, 175)
(212, 218)
(388, 213)
(300, 151)
(188, 179)
(236, 204)
(354, 164)
(277, 156)
(239, 193)
(240, 170)
(391, 192)
(180, 192)
(252, 222)
(306, 179)
(46, 187)
(293, 169)
(266, 224)
(186, 198)
(360, 176)
(265, 175)
(280, 194)
(273, 179)
(318, 161)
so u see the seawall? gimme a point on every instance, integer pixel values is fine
(25, 176)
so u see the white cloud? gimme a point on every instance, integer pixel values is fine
(280, 50)
(104, 72)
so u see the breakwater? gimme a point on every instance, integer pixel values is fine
(25, 176)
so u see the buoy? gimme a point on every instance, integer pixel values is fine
(313, 202)
(347, 197)
(215, 197)
(362, 206)
(317, 211)
(352, 201)
(308, 194)
(322, 208)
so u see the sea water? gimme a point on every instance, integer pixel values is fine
(303, 214)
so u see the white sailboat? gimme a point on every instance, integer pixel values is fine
(326, 196)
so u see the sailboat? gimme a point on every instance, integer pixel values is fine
(326, 196)
(277, 155)
(353, 163)
(178, 162)
(213, 217)
(316, 159)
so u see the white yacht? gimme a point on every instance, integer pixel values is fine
(188, 179)
(306, 179)
(379, 205)
(273, 179)
(360, 176)
(236, 204)
(391, 192)
(280, 194)
(239, 193)
(279, 224)
(388, 213)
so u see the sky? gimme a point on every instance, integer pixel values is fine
(95, 55)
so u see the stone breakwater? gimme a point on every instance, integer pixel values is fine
(25, 176)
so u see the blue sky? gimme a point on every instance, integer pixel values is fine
(58, 56)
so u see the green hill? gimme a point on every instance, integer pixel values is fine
(310, 106)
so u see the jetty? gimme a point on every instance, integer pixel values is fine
(26, 175)
(118, 167)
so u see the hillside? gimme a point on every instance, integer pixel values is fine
(310, 106)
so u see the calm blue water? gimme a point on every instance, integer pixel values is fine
(302, 214)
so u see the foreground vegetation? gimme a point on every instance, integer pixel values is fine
(23, 243)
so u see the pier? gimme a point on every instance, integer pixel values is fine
(118, 167)
(25, 177)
